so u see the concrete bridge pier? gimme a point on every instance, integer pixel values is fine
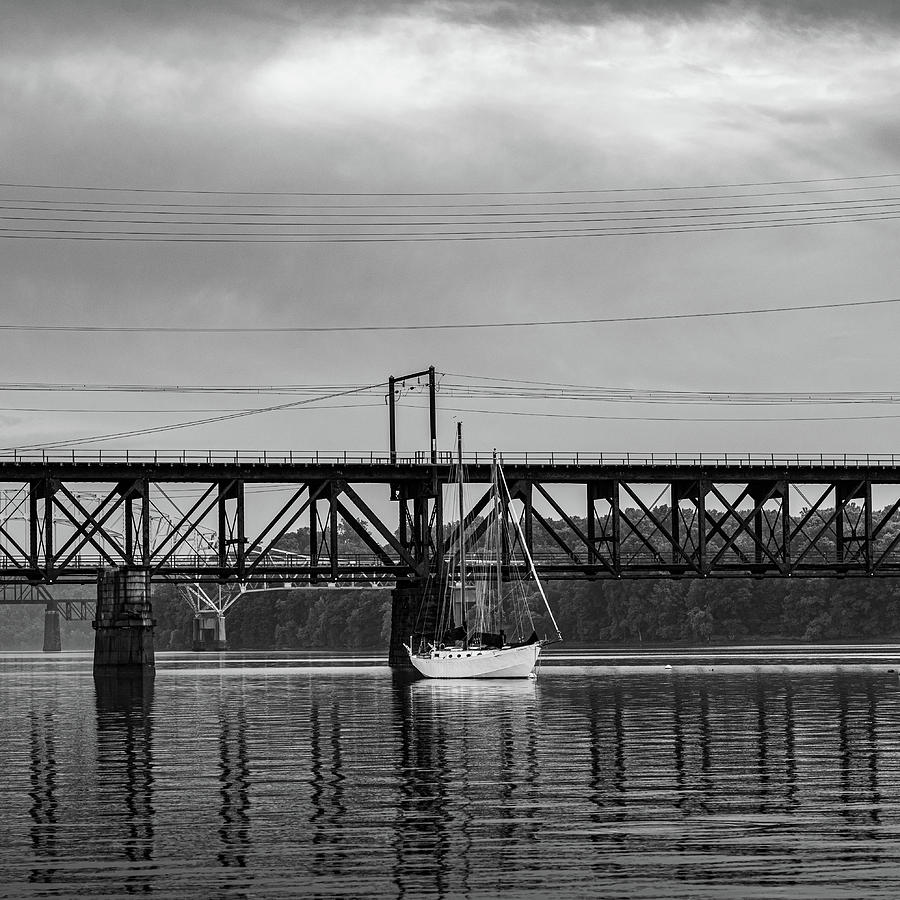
(209, 631)
(123, 629)
(414, 609)
(52, 639)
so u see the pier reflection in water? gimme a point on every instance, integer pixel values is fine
(229, 780)
(43, 808)
(125, 778)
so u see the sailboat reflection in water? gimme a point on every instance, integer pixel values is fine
(484, 627)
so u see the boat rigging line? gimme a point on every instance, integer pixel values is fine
(527, 553)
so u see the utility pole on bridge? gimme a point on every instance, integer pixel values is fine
(393, 381)
(413, 596)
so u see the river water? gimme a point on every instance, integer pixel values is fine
(752, 773)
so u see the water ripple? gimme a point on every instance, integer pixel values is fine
(239, 778)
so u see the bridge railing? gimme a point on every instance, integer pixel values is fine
(423, 458)
(286, 562)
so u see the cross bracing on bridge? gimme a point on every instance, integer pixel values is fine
(71, 608)
(262, 522)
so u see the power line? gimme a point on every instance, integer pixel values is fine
(461, 386)
(519, 204)
(488, 229)
(142, 411)
(483, 387)
(444, 326)
(166, 216)
(717, 419)
(557, 214)
(522, 413)
(75, 387)
(423, 237)
(179, 425)
(520, 193)
(501, 412)
(480, 387)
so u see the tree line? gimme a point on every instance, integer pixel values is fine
(588, 612)
(626, 611)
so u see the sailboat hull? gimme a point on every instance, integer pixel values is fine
(508, 662)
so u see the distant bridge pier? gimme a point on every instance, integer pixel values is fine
(123, 627)
(209, 631)
(414, 609)
(52, 639)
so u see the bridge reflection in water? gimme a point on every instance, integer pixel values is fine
(273, 780)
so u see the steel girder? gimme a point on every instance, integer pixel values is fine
(70, 608)
(193, 525)
(364, 523)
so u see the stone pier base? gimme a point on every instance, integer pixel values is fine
(414, 609)
(52, 639)
(123, 639)
(209, 631)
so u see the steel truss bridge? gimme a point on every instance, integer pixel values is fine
(378, 518)
(72, 609)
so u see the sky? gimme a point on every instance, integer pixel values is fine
(410, 98)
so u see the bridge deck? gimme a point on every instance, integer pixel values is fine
(375, 468)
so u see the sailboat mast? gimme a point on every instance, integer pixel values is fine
(462, 529)
(498, 543)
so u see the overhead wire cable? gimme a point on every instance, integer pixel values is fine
(374, 222)
(499, 389)
(170, 410)
(431, 205)
(129, 236)
(181, 425)
(440, 326)
(654, 395)
(549, 389)
(81, 387)
(714, 419)
(480, 193)
(725, 396)
(447, 218)
(484, 387)
(428, 228)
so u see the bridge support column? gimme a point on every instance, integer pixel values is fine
(123, 629)
(414, 610)
(52, 640)
(209, 631)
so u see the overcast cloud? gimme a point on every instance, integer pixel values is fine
(449, 97)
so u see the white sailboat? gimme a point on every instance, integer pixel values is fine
(470, 637)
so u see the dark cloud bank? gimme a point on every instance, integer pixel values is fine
(101, 18)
